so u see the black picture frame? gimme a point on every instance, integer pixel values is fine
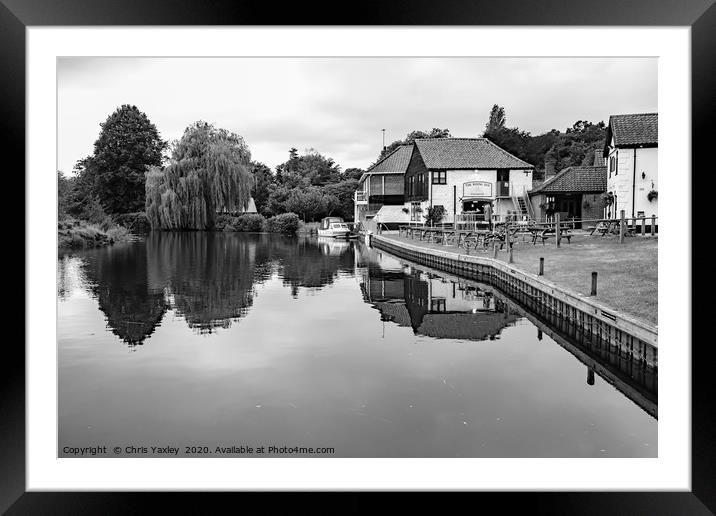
(700, 15)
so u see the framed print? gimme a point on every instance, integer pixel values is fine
(417, 252)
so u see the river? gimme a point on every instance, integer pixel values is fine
(218, 344)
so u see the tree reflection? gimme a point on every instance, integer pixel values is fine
(208, 278)
(311, 262)
(118, 278)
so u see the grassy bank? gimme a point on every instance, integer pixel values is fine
(80, 234)
(627, 273)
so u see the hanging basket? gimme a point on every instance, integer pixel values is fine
(652, 195)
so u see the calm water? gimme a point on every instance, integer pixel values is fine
(219, 340)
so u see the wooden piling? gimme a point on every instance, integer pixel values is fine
(621, 226)
(510, 260)
(594, 284)
(494, 249)
(541, 266)
(653, 225)
(557, 229)
(643, 225)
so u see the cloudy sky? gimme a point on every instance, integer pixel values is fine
(339, 106)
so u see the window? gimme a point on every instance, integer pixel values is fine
(437, 305)
(439, 177)
(613, 165)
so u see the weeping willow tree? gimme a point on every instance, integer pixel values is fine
(208, 174)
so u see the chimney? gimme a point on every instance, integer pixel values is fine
(598, 158)
(549, 168)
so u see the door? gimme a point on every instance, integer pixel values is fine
(503, 183)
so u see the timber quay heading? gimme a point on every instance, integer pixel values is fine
(631, 336)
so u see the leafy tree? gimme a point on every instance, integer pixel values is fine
(65, 187)
(307, 203)
(316, 168)
(263, 179)
(331, 204)
(209, 173)
(343, 192)
(115, 173)
(497, 119)
(353, 173)
(276, 202)
(574, 147)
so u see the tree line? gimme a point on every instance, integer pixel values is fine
(185, 184)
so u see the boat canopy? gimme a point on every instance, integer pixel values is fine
(326, 222)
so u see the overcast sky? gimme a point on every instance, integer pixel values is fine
(338, 106)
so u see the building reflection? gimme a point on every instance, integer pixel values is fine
(432, 306)
(464, 309)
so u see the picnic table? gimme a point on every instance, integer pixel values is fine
(612, 227)
(550, 232)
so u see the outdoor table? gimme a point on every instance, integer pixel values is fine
(550, 232)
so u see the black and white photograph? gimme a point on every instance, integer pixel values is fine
(434, 250)
(357, 257)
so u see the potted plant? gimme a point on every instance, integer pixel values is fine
(406, 210)
(653, 194)
(608, 198)
(434, 215)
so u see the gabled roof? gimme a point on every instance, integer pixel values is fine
(394, 163)
(466, 153)
(575, 179)
(635, 130)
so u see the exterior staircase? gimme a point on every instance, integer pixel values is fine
(522, 205)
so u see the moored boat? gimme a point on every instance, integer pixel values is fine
(334, 227)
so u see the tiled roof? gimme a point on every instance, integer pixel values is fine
(452, 325)
(394, 163)
(575, 179)
(636, 129)
(465, 326)
(466, 153)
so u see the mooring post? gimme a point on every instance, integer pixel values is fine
(539, 334)
(494, 250)
(557, 229)
(643, 225)
(653, 225)
(510, 260)
(590, 376)
(594, 284)
(541, 266)
(621, 226)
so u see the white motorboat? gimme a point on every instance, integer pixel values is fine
(334, 227)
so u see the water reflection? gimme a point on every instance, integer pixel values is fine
(209, 279)
(450, 307)
(435, 307)
(303, 341)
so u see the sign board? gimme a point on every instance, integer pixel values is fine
(476, 189)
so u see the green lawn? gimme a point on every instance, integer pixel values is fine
(627, 273)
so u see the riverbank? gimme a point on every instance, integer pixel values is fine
(627, 273)
(80, 234)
